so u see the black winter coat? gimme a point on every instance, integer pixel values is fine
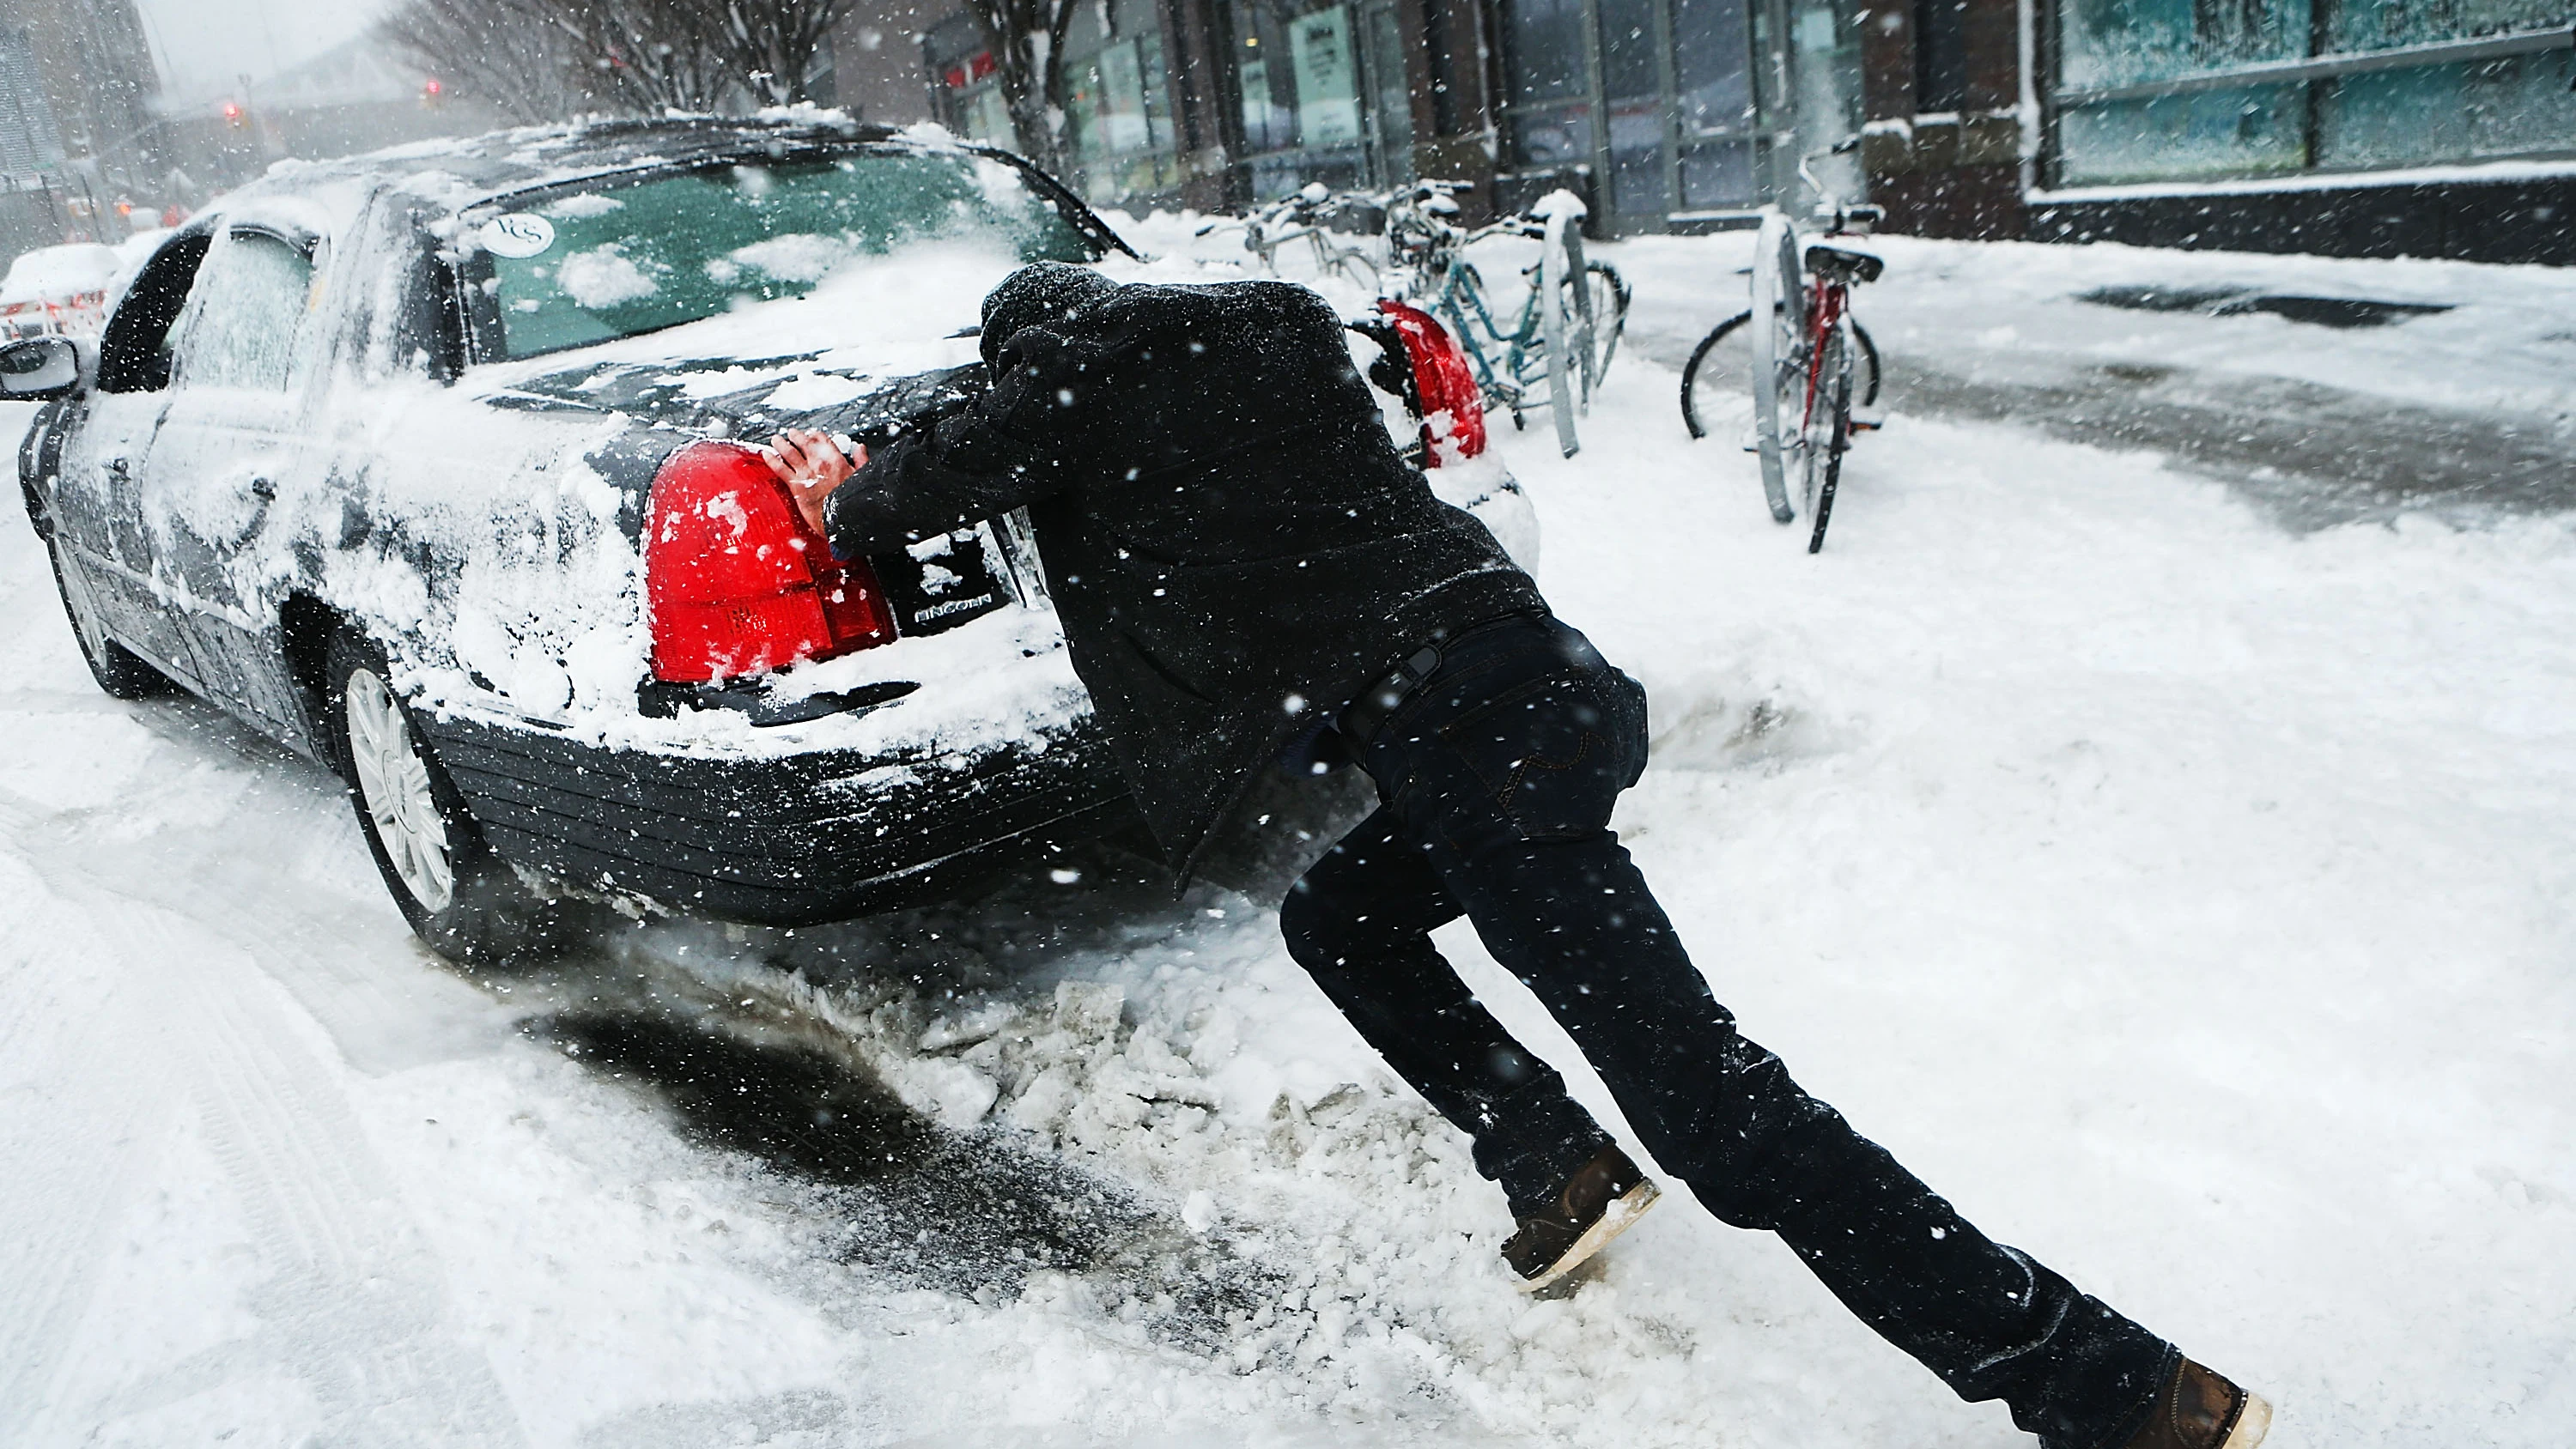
(1232, 541)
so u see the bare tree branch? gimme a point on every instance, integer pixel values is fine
(1027, 41)
(542, 60)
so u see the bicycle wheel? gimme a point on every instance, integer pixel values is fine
(1828, 433)
(1356, 270)
(1605, 302)
(1717, 385)
(1868, 366)
(1779, 373)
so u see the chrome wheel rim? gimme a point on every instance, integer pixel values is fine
(393, 785)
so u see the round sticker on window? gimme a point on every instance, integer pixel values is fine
(519, 234)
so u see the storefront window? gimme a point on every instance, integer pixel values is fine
(1118, 111)
(1824, 49)
(966, 93)
(2360, 26)
(1713, 78)
(2234, 132)
(1632, 84)
(1549, 95)
(984, 116)
(1712, 48)
(2120, 42)
(2178, 89)
(1297, 65)
(2516, 106)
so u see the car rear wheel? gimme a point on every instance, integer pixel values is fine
(467, 903)
(118, 670)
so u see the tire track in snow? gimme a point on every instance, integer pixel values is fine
(354, 1302)
(79, 1158)
(354, 1289)
(298, 926)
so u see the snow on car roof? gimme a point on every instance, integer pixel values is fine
(452, 174)
(58, 272)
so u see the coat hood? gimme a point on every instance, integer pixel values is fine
(1039, 293)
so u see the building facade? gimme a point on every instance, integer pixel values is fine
(1663, 114)
(77, 88)
(2350, 127)
(2434, 127)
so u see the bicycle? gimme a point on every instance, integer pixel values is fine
(1300, 217)
(1568, 325)
(1803, 364)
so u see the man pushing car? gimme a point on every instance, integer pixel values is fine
(1240, 557)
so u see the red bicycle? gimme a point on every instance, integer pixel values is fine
(1789, 386)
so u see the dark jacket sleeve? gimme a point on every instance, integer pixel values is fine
(1016, 445)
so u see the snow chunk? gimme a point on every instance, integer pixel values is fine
(604, 276)
(796, 256)
(582, 206)
(808, 392)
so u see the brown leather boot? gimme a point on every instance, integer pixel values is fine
(2200, 1410)
(1603, 1199)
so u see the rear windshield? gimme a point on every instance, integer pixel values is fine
(622, 256)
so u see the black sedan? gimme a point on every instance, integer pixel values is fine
(425, 464)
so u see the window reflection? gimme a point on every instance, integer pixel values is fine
(2147, 93)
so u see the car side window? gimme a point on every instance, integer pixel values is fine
(134, 351)
(246, 314)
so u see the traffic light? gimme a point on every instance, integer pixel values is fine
(431, 91)
(233, 114)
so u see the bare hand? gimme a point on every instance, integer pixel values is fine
(812, 464)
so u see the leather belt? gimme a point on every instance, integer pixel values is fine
(1367, 712)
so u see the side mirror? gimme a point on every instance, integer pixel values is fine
(39, 368)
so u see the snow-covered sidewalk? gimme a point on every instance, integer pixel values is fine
(2185, 897)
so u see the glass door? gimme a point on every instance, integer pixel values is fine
(1809, 99)
(1637, 149)
(1714, 115)
(1825, 99)
(1659, 99)
(1390, 109)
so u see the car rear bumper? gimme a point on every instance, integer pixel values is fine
(787, 841)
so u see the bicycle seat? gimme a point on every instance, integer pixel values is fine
(1849, 264)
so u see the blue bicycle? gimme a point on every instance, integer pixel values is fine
(1566, 327)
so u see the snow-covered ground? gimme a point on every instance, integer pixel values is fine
(2184, 896)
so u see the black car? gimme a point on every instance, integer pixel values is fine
(423, 464)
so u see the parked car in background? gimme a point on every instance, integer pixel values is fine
(425, 465)
(58, 291)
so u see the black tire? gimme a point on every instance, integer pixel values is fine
(1869, 366)
(1703, 358)
(1838, 442)
(486, 916)
(119, 670)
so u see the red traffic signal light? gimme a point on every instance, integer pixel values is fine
(232, 113)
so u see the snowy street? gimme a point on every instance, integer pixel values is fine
(2153, 816)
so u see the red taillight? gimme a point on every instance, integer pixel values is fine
(1442, 377)
(736, 583)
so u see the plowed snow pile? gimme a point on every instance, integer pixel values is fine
(2185, 898)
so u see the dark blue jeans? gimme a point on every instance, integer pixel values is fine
(1496, 780)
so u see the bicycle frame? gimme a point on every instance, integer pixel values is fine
(1828, 302)
(1461, 281)
(1543, 350)
(1267, 244)
(1283, 224)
